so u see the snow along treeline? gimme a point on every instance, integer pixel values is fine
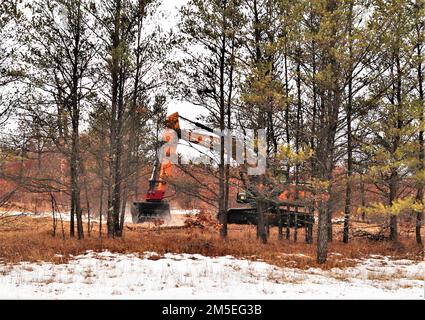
(184, 276)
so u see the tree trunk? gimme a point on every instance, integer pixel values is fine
(329, 216)
(117, 191)
(229, 127)
(88, 209)
(288, 223)
(287, 109)
(129, 168)
(325, 151)
(394, 178)
(421, 166)
(222, 167)
(297, 140)
(310, 220)
(363, 197)
(313, 164)
(392, 197)
(75, 183)
(322, 234)
(75, 143)
(280, 226)
(75, 177)
(261, 221)
(113, 194)
(347, 208)
(102, 182)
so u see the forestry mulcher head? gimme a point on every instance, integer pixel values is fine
(150, 211)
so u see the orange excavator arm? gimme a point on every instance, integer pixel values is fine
(163, 167)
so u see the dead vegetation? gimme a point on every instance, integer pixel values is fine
(31, 240)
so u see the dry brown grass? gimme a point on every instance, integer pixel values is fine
(30, 239)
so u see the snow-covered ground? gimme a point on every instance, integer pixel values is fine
(184, 276)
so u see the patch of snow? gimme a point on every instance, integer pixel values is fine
(66, 216)
(18, 214)
(184, 212)
(193, 276)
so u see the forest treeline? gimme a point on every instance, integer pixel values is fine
(337, 84)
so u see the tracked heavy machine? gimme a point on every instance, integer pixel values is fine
(291, 207)
(155, 205)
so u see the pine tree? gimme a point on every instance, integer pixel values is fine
(210, 41)
(419, 64)
(131, 69)
(61, 51)
(262, 93)
(390, 120)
